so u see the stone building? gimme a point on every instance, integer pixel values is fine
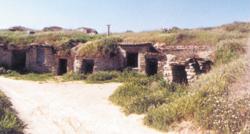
(140, 57)
(12, 57)
(180, 64)
(40, 58)
(184, 64)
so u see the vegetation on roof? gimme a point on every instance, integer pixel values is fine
(52, 38)
(99, 47)
(200, 36)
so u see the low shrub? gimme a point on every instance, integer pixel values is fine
(102, 76)
(129, 75)
(116, 76)
(228, 50)
(142, 94)
(71, 76)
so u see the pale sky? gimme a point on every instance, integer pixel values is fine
(136, 15)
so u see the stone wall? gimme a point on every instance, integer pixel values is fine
(136, 48)
(142, 62)
(193, 67)
(109, 63)
(48, 64)
(5, 57)
(142, 49)
(70, 63)
(143, 58)
(104, 63)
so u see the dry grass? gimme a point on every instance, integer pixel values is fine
(52, 38)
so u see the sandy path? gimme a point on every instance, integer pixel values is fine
(70, 108)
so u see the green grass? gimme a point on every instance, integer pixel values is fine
(71, 76)
(142, 94)
(9, 122)
(116, 76)
(30, 76)
(102, 76)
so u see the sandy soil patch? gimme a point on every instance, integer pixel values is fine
(70, 108)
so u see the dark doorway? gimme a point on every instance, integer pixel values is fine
(151, 66)
(87, 66)
(206, 66)
(62, 67)
(179, 74)
(40, 56)
(132, 59)
(195, 64)
(18, 60)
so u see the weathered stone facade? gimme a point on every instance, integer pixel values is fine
(40, 59)
(188, 70)
(5, 56)
(143, 52)
(105, 63)
(180, 64)
(64, 62)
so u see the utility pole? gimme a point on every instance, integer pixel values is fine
(108, 26)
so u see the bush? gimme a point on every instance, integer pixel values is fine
(142, 94)
(129, 75)
(228, 50)
(71, 76)
(102, 76)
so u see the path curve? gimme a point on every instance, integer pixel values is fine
(70, 108)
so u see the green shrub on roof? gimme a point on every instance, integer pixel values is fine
(99, 47)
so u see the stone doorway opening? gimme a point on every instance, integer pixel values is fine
(132, 60)
(40, 56)
(87, 66)
(151, 66)
(179, 74)
(62, 66)
(18, 60)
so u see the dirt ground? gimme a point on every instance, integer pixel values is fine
(70, 108)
